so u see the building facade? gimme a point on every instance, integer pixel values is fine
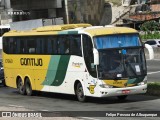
(71, 11)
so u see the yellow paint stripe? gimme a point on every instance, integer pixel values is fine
(116, 83)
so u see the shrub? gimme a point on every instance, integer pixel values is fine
(153, 89)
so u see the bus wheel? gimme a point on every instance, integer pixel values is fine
(28, 87)
(123, 97)
(20, 86)
(4, 83)
(80, 93)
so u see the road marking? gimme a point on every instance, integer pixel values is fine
(16, 106)
(153, 60)
(153, 72)
(89, 118)
(157, 59)
(44, 110)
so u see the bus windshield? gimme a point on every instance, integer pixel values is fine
(120, 57)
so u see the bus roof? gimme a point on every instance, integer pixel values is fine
(109, 31)
(73, 29)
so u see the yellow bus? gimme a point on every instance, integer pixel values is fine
(77, 59)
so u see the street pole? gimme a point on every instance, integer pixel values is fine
(66, 9)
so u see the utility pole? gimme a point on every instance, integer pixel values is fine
(66, 10)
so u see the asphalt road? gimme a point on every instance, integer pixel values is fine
(153, 67)
(58, 102)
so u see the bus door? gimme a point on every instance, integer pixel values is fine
(91, 74)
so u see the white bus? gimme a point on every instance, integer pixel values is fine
(76, 59)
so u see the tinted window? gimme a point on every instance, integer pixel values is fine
(21, 45)
(12, 45)
(58, 45)
(75, 45)
(63, 45)
(151, 42)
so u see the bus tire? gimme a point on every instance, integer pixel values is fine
(28, 87)
(80, 93)
(20, 86)
(4, 83)
(123, 97)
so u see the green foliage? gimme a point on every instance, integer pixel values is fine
(151, 29)
(150, 26)
(154, 86)
(153, 89)
(155, 35)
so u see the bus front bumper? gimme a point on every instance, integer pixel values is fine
(107, 92)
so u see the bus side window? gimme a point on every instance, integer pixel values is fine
(63, 45)
(38, 45)
(49, 48)
(12, 45)
(52, 45)
(6, 42)
(75, 45)
(55, 45)
(41, 45)
(67, 46)
(18, 45)
(88, 55)
(31, 45)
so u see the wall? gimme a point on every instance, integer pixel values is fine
(156, 53)
(35, 4)
(88, 11)
(37, 9)
(155, 7)
(145, 16)
(107, 14)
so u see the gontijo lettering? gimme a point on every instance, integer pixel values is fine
(31, 61)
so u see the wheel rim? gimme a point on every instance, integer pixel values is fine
(28, 88)
(21, 87)
(80, 93)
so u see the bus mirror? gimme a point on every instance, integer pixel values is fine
(150, 50)
(96, 56)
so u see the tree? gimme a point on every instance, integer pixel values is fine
(151, 29)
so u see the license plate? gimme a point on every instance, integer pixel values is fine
(126, 91)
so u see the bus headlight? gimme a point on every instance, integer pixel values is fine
(105, 86)
(143, 82)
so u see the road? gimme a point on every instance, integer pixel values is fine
(58, 102)
(153, 67)
(10, 98)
